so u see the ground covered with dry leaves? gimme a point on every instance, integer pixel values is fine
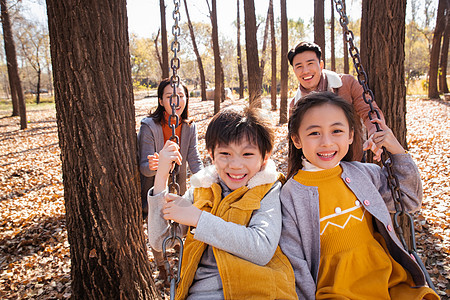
(34, 251)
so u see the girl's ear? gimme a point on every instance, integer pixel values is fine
(350, 138)
(296, 140)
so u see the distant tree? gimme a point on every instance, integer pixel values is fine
(443, 61)
(239, 54)
(264, 47)
(383, 27)
(13, 70)
(345, 48)
(97, 136)
(218, 86)
(251, 44)
(273, 90)
(197, 55)
(158, 56)
(332, 39)
(319, 25)
(164, 46)
(284, 64)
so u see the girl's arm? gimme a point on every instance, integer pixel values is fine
(291, 244)
(193, 156)
(257, 242)
(146, 145)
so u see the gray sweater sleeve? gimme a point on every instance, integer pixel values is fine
(257, 242)
(146, 143)
(193, 159)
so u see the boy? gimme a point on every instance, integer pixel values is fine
(231, 250)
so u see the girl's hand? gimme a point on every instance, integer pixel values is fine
(180, 210)
(168, 155)
(153, 161)
(384, 138)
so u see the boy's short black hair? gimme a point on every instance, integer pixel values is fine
(302, 47)
(233, 124)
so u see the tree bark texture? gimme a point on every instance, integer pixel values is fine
(97, 136)
(319, 25)
(197, 54)
(164, 46)
(239, 53)
(443, 62)
(217, 60)
(251, 44)
(332, 39)
(284, 64)
(433, 92)
(13, 70)
(383, 56)
(273, 89)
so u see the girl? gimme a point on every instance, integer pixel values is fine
(153, 134)
(337, 231)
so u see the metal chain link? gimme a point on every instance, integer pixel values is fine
(386, 156)
(173, 122)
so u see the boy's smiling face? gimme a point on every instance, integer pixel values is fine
(236, 163)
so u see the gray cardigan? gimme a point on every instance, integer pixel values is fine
(300, 237)
(151, 140)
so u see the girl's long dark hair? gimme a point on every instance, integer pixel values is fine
(158, 114)
(300, 109)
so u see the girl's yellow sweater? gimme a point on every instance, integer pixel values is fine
(354, 261)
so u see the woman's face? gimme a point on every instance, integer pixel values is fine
(165, 101)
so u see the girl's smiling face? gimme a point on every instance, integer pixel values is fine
(324, 135)
(165, 101)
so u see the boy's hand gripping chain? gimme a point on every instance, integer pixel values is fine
(386, 156)
(174, 121)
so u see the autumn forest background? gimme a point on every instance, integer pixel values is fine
(73, 90)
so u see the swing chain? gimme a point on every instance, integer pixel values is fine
(173, 123)
(386, 156)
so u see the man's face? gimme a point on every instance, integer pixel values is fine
(308, 69)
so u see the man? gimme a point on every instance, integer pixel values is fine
(307, 65)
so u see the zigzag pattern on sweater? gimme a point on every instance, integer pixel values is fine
(351, 216)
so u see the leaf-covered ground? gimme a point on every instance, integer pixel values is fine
(34, 251)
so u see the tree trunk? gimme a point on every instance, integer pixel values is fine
(251, 45)
(197, 54)
(284, 64)
(273, 89)
(443, 86)
(345, 48)
(97, 137)
(13, 69)
(164, 47)
(158, 56)
(319, 26)
(38, 85)
(332, 40)
(239, 54)
(385, 69)
(433, 92)
(264, 48)
(217, 61)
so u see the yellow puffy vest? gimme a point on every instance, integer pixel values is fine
(241, 279)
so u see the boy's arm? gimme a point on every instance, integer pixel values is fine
(257, 242)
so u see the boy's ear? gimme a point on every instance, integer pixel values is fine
(266, 158)
(296, 140)
(322, 64)
(211, 155)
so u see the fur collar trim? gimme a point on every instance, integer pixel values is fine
(334, 82)
(206, 177)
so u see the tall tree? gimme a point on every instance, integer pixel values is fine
(158, 56)
(13, 70)
(383, 27)
(319, 25)
(264, 47)
(436, 50)
(332, 40)
(97, 137)
(284, 64)
(345, 47)
(197, 54)
(164, 46)
(443, 61)
(273, 90)
(251, 44)
(239, 54)
(218, 75)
